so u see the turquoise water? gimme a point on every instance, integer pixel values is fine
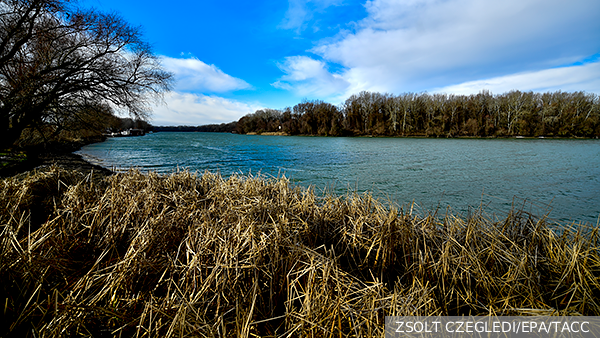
(556, 176)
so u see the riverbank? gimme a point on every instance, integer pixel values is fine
(411, 114)
(62, 155)
(166, 255)
(432, 137)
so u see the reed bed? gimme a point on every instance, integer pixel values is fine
(187, 255)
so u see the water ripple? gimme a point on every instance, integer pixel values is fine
(558, 175)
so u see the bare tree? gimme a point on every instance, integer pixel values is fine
(57, 61)
(510, 114)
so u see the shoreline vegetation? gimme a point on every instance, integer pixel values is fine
(184, 254)
(512, 114)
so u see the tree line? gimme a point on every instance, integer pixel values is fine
(208, 128)
(516, 113)
(64, 69)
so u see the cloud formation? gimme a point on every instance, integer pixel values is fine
(198, 109)
(194, 75)
(420, 45)
(309, 77)
(301, 11)
(548, 80)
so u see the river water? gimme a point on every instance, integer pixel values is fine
(558, 177)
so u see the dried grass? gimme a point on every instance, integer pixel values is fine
(141, 255)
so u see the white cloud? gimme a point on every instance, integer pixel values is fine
(301, 11)
(416, 45)
(565, 79)
(295, 16)
(308, 77)
(192, 74)
(198, 109)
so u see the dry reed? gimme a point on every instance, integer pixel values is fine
(186, 255)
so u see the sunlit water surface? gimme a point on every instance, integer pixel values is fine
(558, 176)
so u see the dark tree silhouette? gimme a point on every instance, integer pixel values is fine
(58, 62)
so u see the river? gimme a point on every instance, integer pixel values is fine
(558, 177)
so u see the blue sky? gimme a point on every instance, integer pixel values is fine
(231, 58)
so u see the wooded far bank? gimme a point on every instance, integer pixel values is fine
(516, 113)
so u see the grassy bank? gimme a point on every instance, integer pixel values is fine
(184, 255)
(18, 160)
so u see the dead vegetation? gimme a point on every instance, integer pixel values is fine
(140, 255)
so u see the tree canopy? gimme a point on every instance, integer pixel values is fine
(516, 113)
(61, 66)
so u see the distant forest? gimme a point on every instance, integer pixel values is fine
(217, 128)
(558, 114)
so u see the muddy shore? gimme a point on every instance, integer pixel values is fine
(65, 160)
